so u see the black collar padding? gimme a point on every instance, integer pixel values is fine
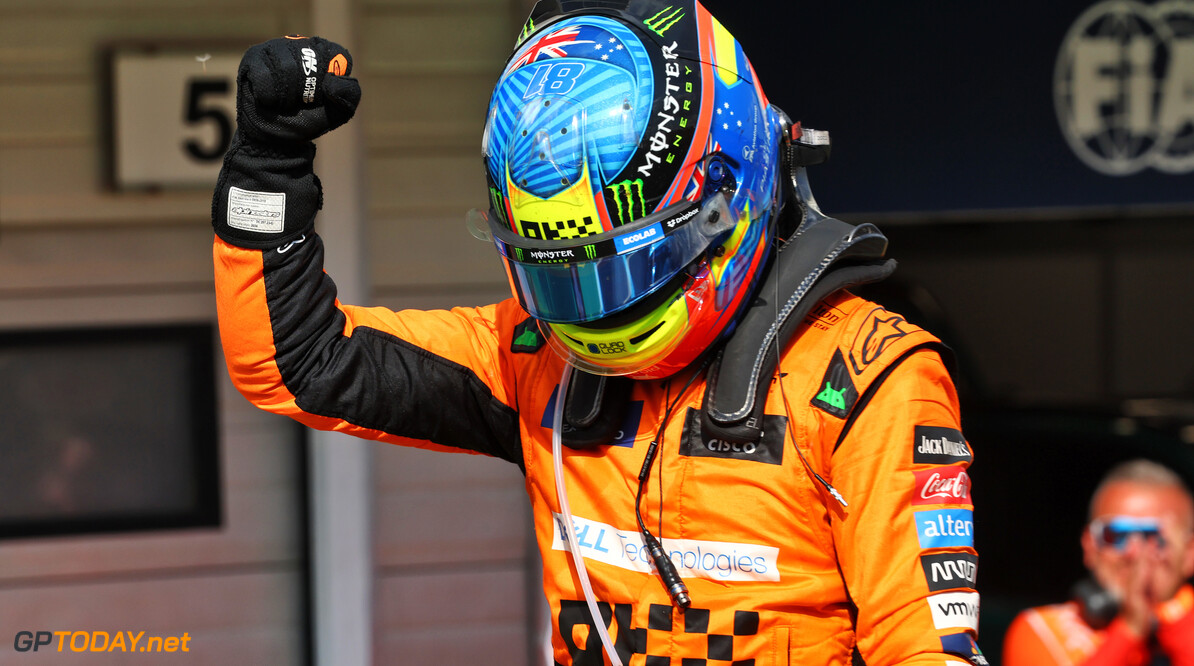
(826, 255)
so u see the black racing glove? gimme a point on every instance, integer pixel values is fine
(289, 91)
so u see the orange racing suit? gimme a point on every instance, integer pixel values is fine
(779, 572)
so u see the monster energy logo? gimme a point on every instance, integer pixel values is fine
(590, 251)
(660, 23)
(527, 29)
(495, 201)
(630, 190)
(518, 254)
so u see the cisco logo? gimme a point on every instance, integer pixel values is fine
(1123, 87)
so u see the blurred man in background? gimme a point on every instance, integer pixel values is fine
(1139, 607)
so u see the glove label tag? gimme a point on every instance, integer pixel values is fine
(262, 212)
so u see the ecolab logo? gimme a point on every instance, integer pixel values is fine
(955, 610)
(942, 485)
(643, 235)
(639, 238)
(1122, 87)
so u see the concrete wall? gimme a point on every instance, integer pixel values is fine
(451, 581)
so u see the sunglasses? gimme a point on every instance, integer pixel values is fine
(1115, 531)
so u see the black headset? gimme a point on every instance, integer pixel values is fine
(1097, 606)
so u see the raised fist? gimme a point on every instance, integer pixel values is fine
(295, 89)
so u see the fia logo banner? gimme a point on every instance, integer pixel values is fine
(1121, 87)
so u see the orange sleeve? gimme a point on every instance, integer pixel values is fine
(890, 534)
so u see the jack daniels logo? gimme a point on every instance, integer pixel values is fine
(703, 636)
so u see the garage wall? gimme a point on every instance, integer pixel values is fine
(75, 255)
(1047, 312)
(451, 532)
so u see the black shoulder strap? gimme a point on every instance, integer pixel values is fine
(824, 257)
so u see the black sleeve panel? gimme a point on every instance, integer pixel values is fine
(373, 379)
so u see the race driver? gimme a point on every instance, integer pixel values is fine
(731, 459)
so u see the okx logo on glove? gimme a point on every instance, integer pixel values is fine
(295, 89)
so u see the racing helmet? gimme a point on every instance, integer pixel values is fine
(632, 164)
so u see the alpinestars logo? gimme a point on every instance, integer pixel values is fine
(875, 336)
(1122, 87)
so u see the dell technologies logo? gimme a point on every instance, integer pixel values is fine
(1122, 83)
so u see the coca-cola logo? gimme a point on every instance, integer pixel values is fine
(942, 485)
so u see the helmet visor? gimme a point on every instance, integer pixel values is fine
(598, 275)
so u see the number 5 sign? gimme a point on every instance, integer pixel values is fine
(172, 116)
